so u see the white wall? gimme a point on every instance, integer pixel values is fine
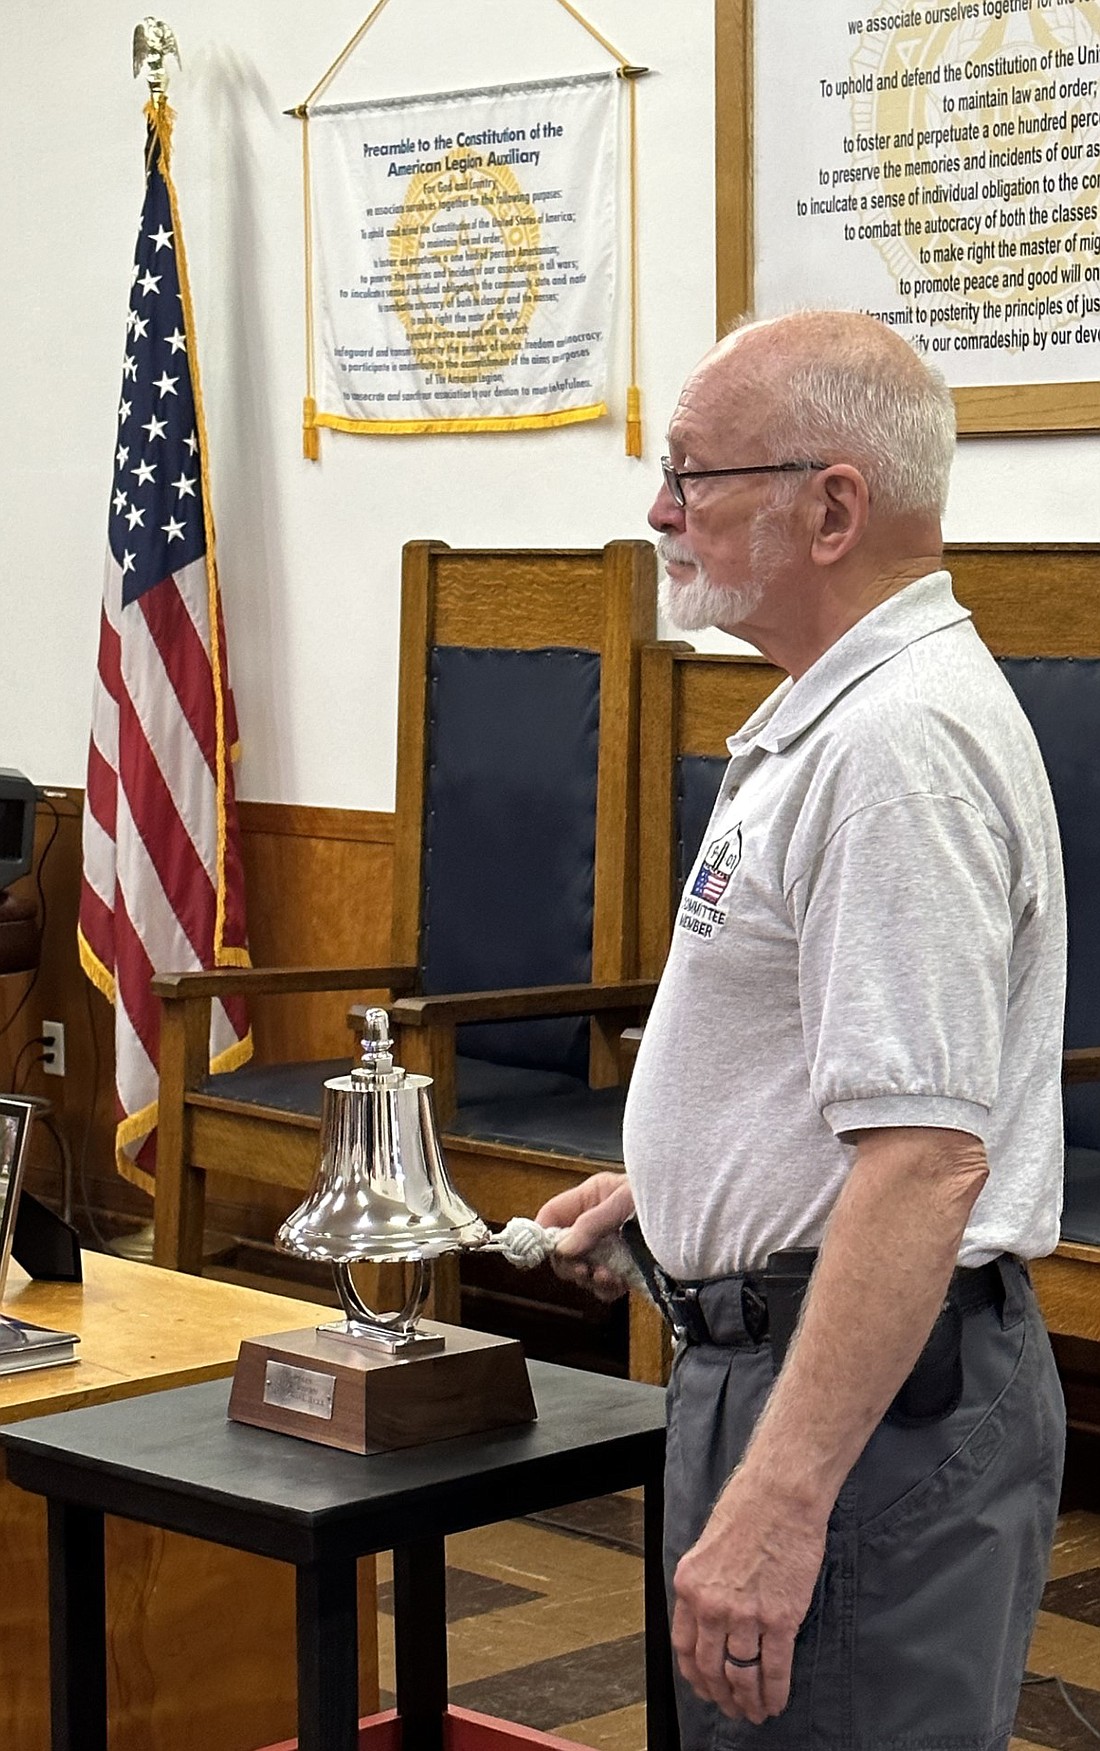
(309, 555)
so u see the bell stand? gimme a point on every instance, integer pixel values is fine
(395, 1333)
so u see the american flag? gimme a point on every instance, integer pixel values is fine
(710, 884)
(163, 887)
(719, 862)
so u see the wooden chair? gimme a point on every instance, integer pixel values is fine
(1035, 607)
(513, 885)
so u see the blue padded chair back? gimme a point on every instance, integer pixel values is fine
(1061, 696)
(510, 839)
(697, 779)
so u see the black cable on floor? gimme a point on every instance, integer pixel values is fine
(60, 1139)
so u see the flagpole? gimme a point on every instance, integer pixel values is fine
(161, 838)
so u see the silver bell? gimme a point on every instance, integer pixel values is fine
(381, 1189)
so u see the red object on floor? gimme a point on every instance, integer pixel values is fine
(465, 1731)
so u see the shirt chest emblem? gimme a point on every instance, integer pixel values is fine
(701, 911)
(720, 860)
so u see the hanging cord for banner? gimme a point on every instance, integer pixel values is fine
(311, 437)
(311, 448)
(631, 74)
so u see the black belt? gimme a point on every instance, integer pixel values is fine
(750, 1308)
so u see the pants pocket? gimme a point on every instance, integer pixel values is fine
(947, 1576)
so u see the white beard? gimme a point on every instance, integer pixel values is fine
(697, 601)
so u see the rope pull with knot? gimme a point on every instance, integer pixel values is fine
(525, 1244)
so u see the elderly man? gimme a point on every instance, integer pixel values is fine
(848, 1092)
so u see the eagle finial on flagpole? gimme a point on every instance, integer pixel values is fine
(153, 42)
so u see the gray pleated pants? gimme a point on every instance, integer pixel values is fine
(918, 1631)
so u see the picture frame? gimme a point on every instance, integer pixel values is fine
(994, 409)
(15, 1128)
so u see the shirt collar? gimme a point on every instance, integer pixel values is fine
(928, 605)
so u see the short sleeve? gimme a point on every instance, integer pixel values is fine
(904, 928)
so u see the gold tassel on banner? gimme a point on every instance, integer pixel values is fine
(633, 421)
(311, 437)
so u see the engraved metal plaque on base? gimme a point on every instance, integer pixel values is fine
(318, 1385)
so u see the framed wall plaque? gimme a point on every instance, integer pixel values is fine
(934, 162)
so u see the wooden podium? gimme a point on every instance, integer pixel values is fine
(215, 1626)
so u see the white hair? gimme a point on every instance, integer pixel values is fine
(843, 387)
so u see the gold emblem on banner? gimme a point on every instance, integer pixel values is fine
(962, 132)
(466, 265)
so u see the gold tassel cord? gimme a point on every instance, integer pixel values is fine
(593, 32)
(311, 437)
(633, 436)
(311, 441)
(633, 394)
(345, 54)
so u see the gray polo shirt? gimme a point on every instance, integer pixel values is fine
(873, 934)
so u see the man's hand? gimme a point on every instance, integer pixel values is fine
(745, 1587)
(592, 1212)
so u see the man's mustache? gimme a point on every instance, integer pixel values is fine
(668, 548)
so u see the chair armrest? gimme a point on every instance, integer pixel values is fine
(525, 1001)
(1081, 1065)
(279, 981)
(629, 1044)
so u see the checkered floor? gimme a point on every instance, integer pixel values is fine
(545, 1622)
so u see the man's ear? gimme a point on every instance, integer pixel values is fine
(842, 507)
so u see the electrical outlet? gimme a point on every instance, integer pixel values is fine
(53, 1032)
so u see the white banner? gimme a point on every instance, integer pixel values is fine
(464, 257)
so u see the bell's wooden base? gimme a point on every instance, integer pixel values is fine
(462, 1731)
(327, 1389)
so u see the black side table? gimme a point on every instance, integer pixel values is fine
(173, 1460)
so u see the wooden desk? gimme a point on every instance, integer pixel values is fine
(201, 1639)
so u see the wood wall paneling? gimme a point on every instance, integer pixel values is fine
(319, 888)
(320, 893)
(82, 1101)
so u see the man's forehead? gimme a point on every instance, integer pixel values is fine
(713, 400)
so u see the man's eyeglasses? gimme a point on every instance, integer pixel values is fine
(675, 476)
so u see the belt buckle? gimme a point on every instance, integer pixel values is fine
(674, 1300)
(681, 1309)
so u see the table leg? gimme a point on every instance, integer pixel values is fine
(662, 1727)
(420, 1642)
(328, 1656)
(78, 1629)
